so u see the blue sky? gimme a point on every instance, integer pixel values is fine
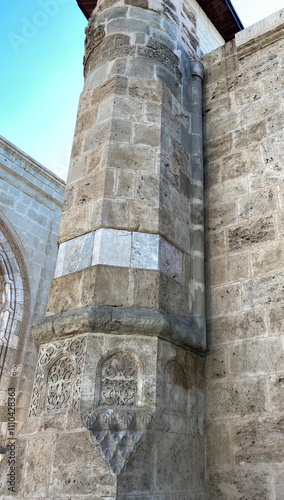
(41, 50)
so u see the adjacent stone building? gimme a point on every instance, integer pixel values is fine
(31, 200)
(154, 380)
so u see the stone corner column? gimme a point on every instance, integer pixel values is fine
(117, 408)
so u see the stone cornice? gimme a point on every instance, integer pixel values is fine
(189, 334)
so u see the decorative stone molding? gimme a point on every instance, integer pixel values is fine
(129, 321)
(58, 376)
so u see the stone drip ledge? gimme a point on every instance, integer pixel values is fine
(190, 334)
(260, 34)
(120, 248)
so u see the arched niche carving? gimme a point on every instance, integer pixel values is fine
(175, 374)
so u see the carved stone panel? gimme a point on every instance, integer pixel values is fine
(118, 423)
(117, 433)
(119, 380)
(59, 383)
(58, 376)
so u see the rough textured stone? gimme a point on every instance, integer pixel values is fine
(251, 233)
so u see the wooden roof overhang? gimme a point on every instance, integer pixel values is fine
(220, 12)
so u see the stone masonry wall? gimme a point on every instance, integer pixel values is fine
(243, 112)
(30, 207)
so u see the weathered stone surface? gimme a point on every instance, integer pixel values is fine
(238, 326)
(258, 204)
(112, 247)
(238, 484)
(218, 443)
(259, 441)
(68, 475)
(38, 460)
(263, 291)
(145, 251)
(257, 357)
(245, 356)
(223, 300)
(236, 398)
(216, 363)
(251, 233)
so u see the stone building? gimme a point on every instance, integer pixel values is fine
(31, 200)
(154, 380)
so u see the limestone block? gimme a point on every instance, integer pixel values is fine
(221, 146)
(263, 291)
(146, 288)
(171, 260)
(215, 243)
(38, 460)
(276, 392)
(237, 327)
(219, 452)
(220, 216)
(259, 441)
(231, 189)
(234, 268)
(128, 109)
(216, 363)
(79, 223)
(144, 216)
(249, 134)
(250, 233)
(138, 157)
(239, 164)
(126, 184)
(239, 483)
(147, 187)
(258, 204)
(114, 213)
(257, 357)
(145, 251)
(236, 398)
(112, 247)
(266, 260)
(106, 285)
(276, 319)
(278, 482)
(224, 300)
(68, 475)
(78, 253)
(63, 295)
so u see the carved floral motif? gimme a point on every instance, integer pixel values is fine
(58, 376)
(119, 380)
(59, 383)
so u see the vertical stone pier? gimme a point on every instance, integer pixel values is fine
(117, 408)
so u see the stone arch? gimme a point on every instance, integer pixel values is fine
(15, 295)
(175, 374)
(14, 318)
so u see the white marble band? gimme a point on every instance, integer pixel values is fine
(113, 247)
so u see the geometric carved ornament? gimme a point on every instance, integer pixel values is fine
(117, 424)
